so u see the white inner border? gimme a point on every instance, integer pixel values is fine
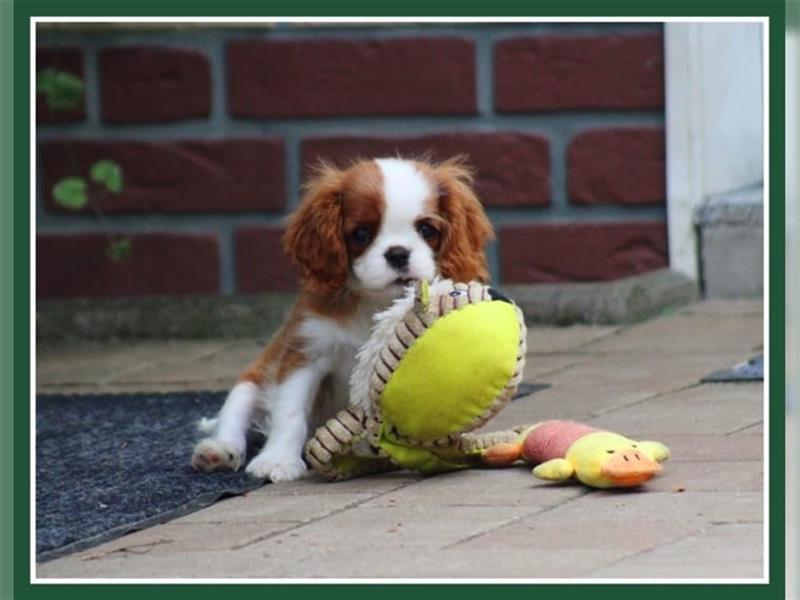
(455, 20)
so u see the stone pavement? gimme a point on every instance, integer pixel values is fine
(703, 518)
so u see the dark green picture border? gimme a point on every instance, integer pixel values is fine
(6, 300)
(17, 228)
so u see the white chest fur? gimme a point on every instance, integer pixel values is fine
(332, 345)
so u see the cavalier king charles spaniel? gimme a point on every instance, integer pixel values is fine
(361, 234)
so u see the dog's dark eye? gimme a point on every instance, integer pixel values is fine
(426, 231)
(361, 236)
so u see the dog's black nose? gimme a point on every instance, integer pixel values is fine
(397, 257)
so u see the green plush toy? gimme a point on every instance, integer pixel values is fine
(562, 450)
(440, 362)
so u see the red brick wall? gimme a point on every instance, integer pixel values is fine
(213, 131)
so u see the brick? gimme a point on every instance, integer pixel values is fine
(513, 169)
(190, 176)
(591, 72)
(538, 253)
(261, 264)
(69, 60)
(316, 78)
(140, 84)
(617, 166)
(76, 265)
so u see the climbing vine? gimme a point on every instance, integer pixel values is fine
(63, 92)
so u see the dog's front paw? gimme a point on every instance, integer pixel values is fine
(215, 455)
(276, 468)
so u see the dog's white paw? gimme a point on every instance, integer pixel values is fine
(276, 468)
(215, 455)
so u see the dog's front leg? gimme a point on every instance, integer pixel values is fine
(281, 459)
(224, 449)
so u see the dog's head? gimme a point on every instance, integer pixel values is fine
(379, 225)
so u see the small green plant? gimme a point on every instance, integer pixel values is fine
(64, 91)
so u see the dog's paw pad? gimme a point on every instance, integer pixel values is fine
(216, 455)
(264, 466)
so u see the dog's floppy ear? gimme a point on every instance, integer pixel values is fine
(314, 237)
(468, 230)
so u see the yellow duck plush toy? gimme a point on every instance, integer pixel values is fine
(565, 449)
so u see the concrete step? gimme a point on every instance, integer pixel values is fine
(731, 235)
(201, 317)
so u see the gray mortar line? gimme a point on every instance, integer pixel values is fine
(581, 493)
(746, 427)
(312, 520)
(647, 399)
(91, 88)
(555, 371)
(484, 73)
(641, 552)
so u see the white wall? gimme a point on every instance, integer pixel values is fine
(714, 116)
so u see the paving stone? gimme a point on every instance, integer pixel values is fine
(724, 308)
(180, 536)
(369, 530)
(604, 383)
(756, 428)
(709, 408)
(377, 484)
(644, 375)
(731, 550)
(538, 366)
(527, 410)
(265, 508)
(692, 335)
(507, 487)
(474, 562)
(554, 340)
(538, 533)
(607, 508)
(535, 547)
(709, 476)
(714, 447)
(221, 564)
(487, 562)
(98, 364)
(334, 547)
(223, 364)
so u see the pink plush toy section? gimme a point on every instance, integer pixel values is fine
(552, 439)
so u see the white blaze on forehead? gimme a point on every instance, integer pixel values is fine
(405, 191)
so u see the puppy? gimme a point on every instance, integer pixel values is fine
(361, 234)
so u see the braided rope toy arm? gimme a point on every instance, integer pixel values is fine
(340, 449)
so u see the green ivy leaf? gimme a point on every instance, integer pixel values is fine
(71, 193)
(108, 173)
(61, 90)
(119, 250)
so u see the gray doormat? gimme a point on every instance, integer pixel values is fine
(751, 370)
(109, 464)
